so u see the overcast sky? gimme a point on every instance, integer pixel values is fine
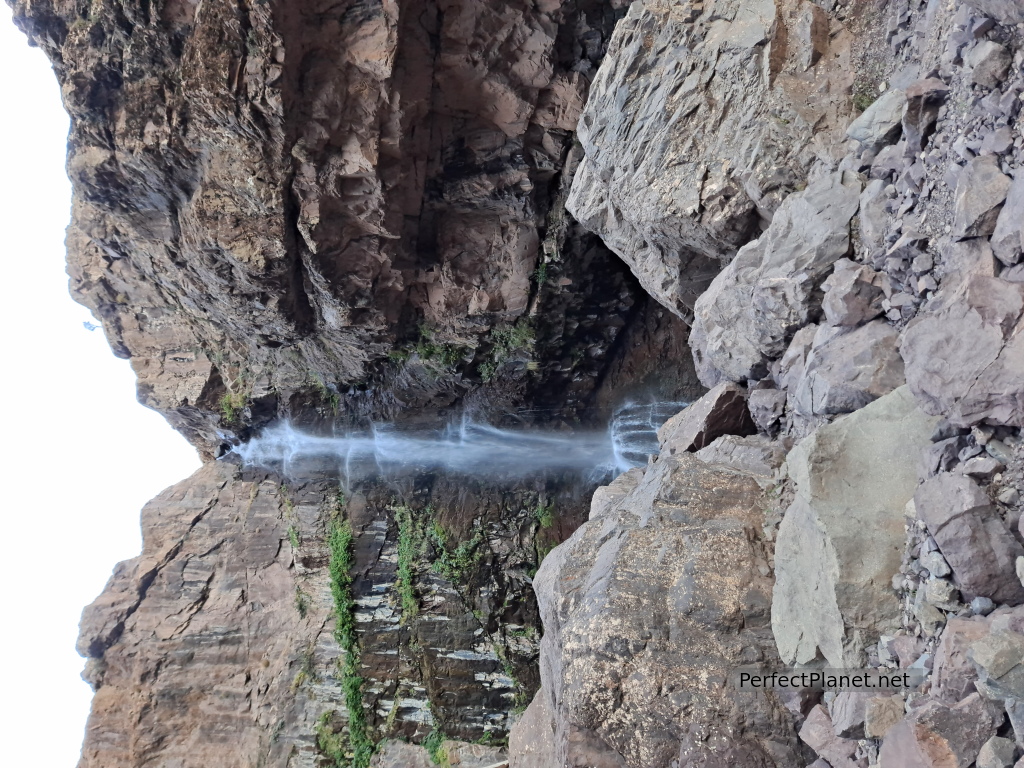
(80, 456)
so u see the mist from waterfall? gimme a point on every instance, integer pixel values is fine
(471, 448)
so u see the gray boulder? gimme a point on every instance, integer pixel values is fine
(833, 594)
(997, 752)
(964, 356)
(938, 735)
(773, 286)
(757, 455)
(1004, 11)
(722, 411)
(953, 675)
(999, 659)
(1008, 236)
(847, 371)
(972, 537)
(880, 123)
(698, 124)
(647, 609)
(989, 63)
(980, 193)
(819, 733)
(853, 294)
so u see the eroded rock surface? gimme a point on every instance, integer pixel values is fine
(647, 608)
(833, 594)
(773, 287)
(269, 197)
(703, 119)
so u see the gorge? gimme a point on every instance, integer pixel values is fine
(550, 360)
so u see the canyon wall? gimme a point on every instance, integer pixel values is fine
(805, 218)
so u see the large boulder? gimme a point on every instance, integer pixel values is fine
(647, 608)
(939, 735)
(980, 193)
(1008, 236)
(833, 594)
(846, 371)
(965, 355)
(702, 118)
(722, 411)
(773, 286)
(1003, 11)
(972, 537)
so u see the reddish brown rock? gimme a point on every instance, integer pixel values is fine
(819, 734)
(953, 674)
(647, 609)
(269, 195)
(937, 735)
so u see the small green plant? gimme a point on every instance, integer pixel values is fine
(440, 354)
(232, 404)
(301, 602)
(455, 564)
(333, 746)
(327, 395)
(409, 544)
(307, 670)
(293, 537)
(520, 697)
(862, 99)
(540, 274)
(544, 514)
(505, 343)
(339, 543)
(434, 744)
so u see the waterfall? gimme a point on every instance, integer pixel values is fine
(468, 447)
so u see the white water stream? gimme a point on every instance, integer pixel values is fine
(469, 448)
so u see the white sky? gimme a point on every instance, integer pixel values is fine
(80, 455)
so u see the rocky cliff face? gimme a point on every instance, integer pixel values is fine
(865, 324)
(270, 198)
(379, 210)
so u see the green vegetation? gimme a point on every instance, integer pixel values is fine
(521, 699)
(440, 353)
(332, 745)
(540, 274)
(358, 748)
(409, 547)
(307, 670)
(455, 564)
(545, 514)
(434, 744)
(301, 602)
(505, 343)
(863, 98)
(326, 394)
(293, 537)
(232, 404)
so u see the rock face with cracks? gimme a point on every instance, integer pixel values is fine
(705, 117)
(773, 286)
(833, 595)
(647, 609)
(269, 196)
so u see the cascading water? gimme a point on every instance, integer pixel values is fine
(469, 448)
